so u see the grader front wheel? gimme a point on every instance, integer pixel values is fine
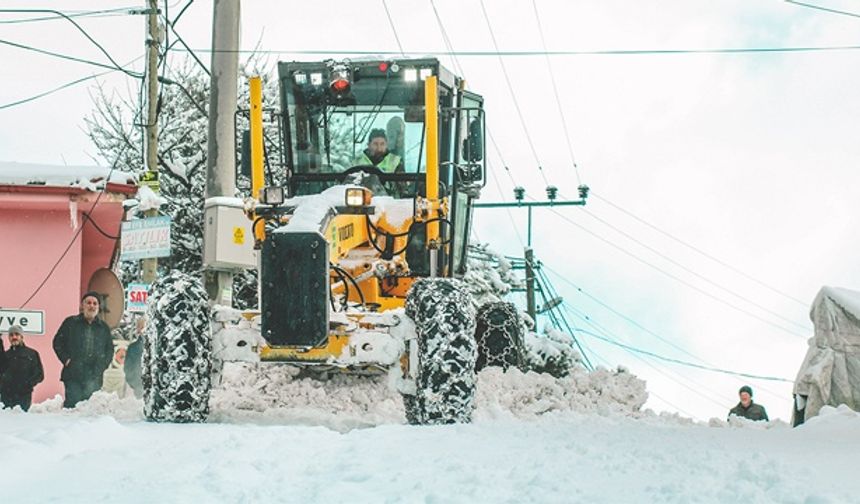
(444, 318)
(177, 351)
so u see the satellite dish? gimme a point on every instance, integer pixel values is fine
(105, 282)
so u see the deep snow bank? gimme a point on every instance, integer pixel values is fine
(267, 393)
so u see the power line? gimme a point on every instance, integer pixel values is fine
(549, 287)
(676, 278)
(46, 93)
(557, 98)
(498, 53)
(696, 249)
(63, 56)
(80, 29)
(685, 363)
(825, 9)
(98, 13)
(621, 315)
(513, 95)
(447, 40)
(393, 28)
(60, 88)
(642, 359)
(98, 228)
(693, 272)
(172, 26)
(629, 320)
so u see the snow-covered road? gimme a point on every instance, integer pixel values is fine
(276, 437)
(560, 457)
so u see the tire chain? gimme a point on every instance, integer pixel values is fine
(177, 351)
(499, 335)
(444, 318)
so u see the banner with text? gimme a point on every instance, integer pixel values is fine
(145, 238)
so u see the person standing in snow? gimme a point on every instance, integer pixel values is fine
(20, 371)
(746, 408)
(85, 347)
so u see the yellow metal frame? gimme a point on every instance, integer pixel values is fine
(431, 121)
(256, 91)
(333, 348)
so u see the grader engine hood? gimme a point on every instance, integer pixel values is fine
(318, 261)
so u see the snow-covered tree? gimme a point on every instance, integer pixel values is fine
(116, 127)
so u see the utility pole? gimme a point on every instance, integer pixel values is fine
(530, 285)
(221, 154)
(519, 194)
(150, 266)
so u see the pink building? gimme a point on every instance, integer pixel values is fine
(58, 225)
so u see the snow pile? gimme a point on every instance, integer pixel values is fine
(125, 409)
(271, 393)
(528, 395)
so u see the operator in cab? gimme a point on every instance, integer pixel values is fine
(377, 154)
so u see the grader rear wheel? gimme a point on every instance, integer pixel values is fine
(499, 335)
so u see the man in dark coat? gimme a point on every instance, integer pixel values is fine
(20, 371)
(746, 408)
(85, 347)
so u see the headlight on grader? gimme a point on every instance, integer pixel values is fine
(358, 196)
(271, 195)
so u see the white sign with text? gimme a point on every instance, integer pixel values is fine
(31, 321)
(145, 238)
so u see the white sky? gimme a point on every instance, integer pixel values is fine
(748, 157)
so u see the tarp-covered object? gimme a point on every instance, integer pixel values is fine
(830, 373)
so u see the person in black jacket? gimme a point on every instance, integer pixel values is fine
(20, 371)
(746, 408)
(85, 347)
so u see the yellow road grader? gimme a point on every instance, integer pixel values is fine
(363, 243)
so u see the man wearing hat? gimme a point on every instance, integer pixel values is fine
(20, 371)
(746, 408)
(377, 153)
(84, 346)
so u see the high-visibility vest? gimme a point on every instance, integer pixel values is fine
(388, 164)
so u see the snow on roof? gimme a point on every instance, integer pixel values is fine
(848, 299)
(90, 178)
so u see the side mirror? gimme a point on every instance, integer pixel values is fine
(245, 158)
(473, 145)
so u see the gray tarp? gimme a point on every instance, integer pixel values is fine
(830, 373)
